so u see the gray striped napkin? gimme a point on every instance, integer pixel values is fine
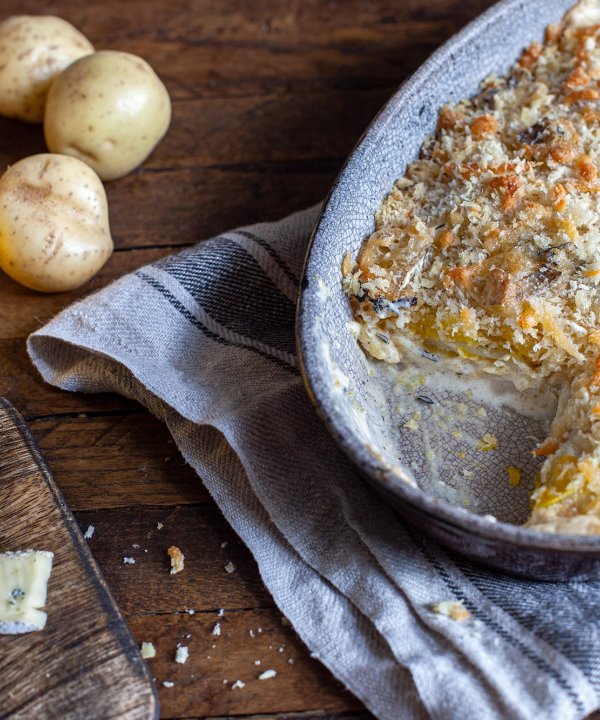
(205, 340)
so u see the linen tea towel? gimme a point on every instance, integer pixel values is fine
(205, 340)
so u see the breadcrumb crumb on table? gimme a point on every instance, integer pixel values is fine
(147, 650)
(452, 609)
(267, 675)
(181, 654)
(177, 559)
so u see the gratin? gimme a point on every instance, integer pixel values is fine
(486, 253)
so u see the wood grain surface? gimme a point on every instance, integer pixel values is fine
(269, 97)
(85, 663)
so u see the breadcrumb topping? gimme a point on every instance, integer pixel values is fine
(487, 252)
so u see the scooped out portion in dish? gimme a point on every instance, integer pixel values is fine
(486, 254)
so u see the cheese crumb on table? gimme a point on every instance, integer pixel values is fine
(177, 559)
(267, 675)
(238, 684)
(148, 650)
(89, 532)
(168, 683)
(230, 567)
(129, 561)
(181, 654)
(216, 630)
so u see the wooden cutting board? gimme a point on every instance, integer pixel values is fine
(84, 664)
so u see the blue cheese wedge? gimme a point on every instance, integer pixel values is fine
(23, 582)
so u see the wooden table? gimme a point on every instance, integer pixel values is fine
(269, 96)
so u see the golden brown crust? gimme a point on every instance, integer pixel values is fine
(488, 249)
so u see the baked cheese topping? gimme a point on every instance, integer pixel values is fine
(487, 252)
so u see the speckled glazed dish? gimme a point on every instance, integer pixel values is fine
(478, 514)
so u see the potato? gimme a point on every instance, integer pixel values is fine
(33, 50)
(54, 231)
(110, 110)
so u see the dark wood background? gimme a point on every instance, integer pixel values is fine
(269, 97)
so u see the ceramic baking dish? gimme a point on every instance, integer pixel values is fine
(480, 517)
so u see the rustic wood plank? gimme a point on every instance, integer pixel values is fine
(208, 132)
(147, 586)
(23, 310)
(186, 205)
(206, 48)
(203, 686)
(266, 129)
(151, 209)
(116, 461)
(156, 602)
(320, 118)
(23, 386)
(61, 671)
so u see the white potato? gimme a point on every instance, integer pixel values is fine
(110, 110)
(54, 231)
(34, 49)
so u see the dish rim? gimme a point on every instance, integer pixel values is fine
(451, 515)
